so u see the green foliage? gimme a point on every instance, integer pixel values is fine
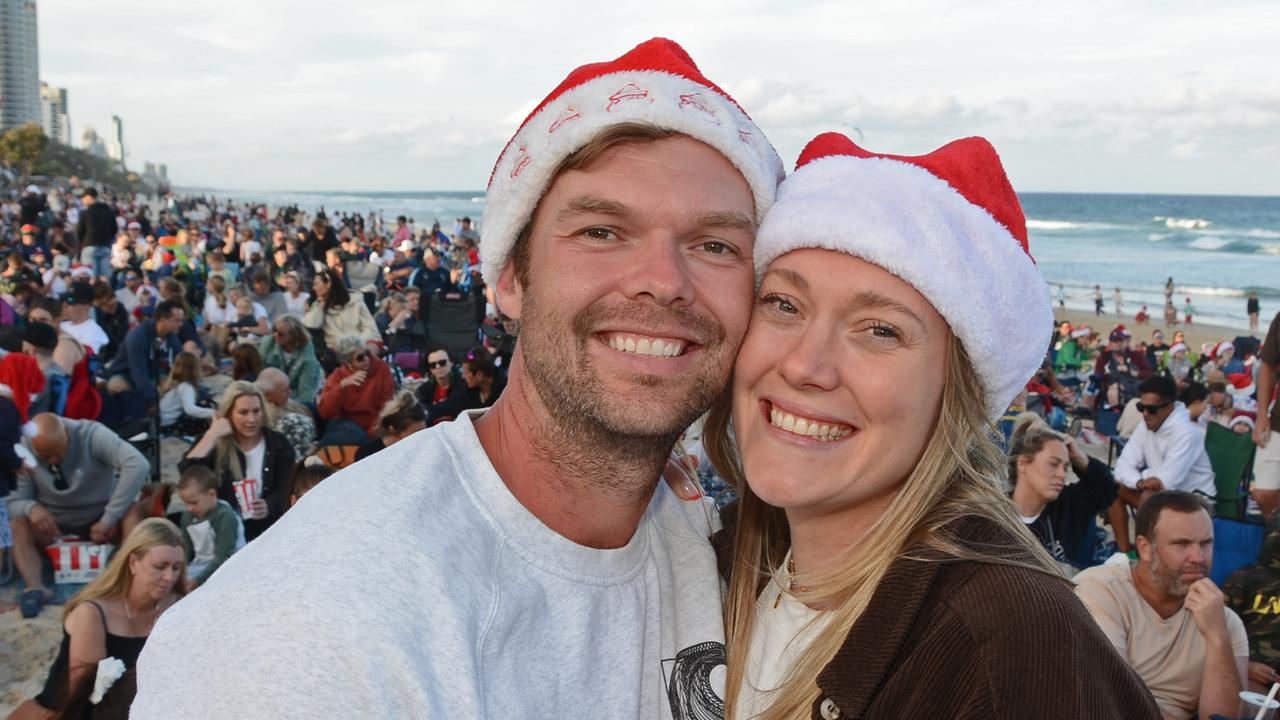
(62, 161)
(22, 147)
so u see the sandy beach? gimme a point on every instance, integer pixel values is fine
(1196, 334)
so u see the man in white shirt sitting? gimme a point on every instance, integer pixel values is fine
(78, 322)
(1166, 452)
(1166, 617)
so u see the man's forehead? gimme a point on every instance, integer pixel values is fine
(1174, 526)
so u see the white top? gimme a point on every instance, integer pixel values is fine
(179, 401)
(784, 628)
(413, 584)
(297, 306)
(1175, 453)
(215, 315)
(128, 299)
(253, 461)
(87, 333)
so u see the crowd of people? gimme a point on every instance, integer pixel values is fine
(852, 338)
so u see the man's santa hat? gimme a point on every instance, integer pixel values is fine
(656, 83)
(948, 223)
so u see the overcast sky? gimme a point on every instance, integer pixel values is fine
(1094, 96)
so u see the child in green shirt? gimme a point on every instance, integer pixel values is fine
(210, 527)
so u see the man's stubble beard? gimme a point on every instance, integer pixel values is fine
(591, 434)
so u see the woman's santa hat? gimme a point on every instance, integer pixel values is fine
(948, 223)
(656, 83)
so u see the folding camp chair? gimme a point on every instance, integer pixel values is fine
(452, 322)
(1231, 455)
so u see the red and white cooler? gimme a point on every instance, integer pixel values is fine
(78, 561)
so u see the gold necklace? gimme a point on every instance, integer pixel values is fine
(129, 613)
(792, 586)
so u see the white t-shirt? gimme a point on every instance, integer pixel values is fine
(1168, 654)
(783, 629)
(87, 333)
(413, 584)
(253, 461)
(297, 306)
(215, 315)
(181, 400)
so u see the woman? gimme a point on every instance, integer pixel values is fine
(113, 615)
(238, 446)
(289, 348)
(218, 312)
(295, 299)
(337, 313)
(484, 385)
(68, 351)
(401, 417)
(1060, 516)
(877, 568)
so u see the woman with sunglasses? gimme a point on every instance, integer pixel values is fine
(354, 394)
(244, 453)
(289, 349)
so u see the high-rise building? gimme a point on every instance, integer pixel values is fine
(19, 64)
(115, 141)
(53, 112)
(164, 174)
(91, 142)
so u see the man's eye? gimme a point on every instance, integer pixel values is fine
(715, 247)
(599, 233)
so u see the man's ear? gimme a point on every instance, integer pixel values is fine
(508, 293)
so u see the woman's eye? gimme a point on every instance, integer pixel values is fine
(887, 332)
(780, 303)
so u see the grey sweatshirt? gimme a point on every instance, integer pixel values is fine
(104, 475)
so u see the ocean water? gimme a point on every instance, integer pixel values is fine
(1216, 248)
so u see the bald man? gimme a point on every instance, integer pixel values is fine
(85, 483)
(291, 418)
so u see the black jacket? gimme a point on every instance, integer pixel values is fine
(97, 226)
(277, 477)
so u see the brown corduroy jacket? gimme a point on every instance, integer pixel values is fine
(973, 640)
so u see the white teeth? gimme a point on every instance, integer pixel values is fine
(809, 428)
(655, 347)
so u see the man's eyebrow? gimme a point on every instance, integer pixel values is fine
(591, 205)
(728, 219)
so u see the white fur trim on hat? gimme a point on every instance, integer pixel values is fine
(908, 221)
(576, 116)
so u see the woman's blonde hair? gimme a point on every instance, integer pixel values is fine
(1029, 436)
(186, 369)
(218, 286)
(960, 474)
(225, 456)
(117, 577)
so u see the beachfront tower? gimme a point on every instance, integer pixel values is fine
(53, 113)
(91, 142)
(19, 64)
(115, 141)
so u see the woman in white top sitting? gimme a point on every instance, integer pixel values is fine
(218, 311)
(295, 298)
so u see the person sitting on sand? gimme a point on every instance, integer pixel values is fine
(112, 616)
(84, 483)
(401, 417)
(211, 528)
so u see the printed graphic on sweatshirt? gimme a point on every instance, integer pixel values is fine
(688, 678)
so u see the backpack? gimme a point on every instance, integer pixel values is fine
(83, 400)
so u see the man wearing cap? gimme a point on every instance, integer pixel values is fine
(95, 232)
(524, 560)
(31, 205)
(1120, 370)
(1166, 452)
(32, 248)
(39, 341)
(77, 317)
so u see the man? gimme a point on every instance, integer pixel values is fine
(1156, 349)
(1166, 452)
(133, 374)
(432, 278)
(293, 420)
(1166, 617)
(261, 292)
(78, 320)
(1120, 370)
(112, 317)
(443, 384)
(39, 341)
(523, 561)
(95, 231)
(466, 233)
(1266, 464)
(85, 482)
(1253, 592)
(354, 393)
(33, 251)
